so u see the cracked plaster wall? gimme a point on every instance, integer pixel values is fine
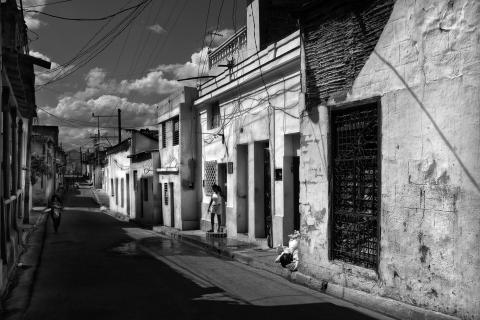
(426, 69)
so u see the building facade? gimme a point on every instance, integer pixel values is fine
(117, 175)
(249, 127)
(178, 160)
(16, 114)
(144, 191)
(46, 173)
(389, 164)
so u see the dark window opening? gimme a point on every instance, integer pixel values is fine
(176, 131)
(135, 180)
(111, 187)
(213, 116)
(355, 185)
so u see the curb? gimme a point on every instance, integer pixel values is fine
(385, 306)
(107, 211)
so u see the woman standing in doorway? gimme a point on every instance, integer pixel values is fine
(216, 207)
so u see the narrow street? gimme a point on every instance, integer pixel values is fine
(95, 268)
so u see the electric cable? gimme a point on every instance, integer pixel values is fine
(89, 19)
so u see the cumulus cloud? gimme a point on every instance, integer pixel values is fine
(31, 18)
(160, 81)
(43, 76)
(76, 132)
(103, 95)
(156, 28)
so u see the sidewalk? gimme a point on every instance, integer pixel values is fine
(103, 200)
(263, 258)
(17, 296)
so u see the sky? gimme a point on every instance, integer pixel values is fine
(128, 66)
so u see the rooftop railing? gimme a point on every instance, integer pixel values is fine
(228, 48)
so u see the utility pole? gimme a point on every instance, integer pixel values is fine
(98, 142)
(119, 125)
(81, 162)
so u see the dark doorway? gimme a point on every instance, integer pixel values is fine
(222, 182)
(128, 194)
(296, 192)
(242, 189)
(172, 204)
(267, 211)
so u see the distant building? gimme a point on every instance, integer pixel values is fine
(142, 182)
(74, 163)
(45, 172)
(178, 160)
(129, 177)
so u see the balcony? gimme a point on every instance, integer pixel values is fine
(226, 50)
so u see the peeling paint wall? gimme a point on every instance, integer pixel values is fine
(426, 69)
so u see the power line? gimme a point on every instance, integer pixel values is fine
(89, 19)
(47, 4)
(94, 50)
(204, 35)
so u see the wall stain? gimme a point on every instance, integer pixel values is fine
(424, 250)
(444, 178)
(432, 293)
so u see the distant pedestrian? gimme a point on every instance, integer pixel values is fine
(56, 207)
(215, 208)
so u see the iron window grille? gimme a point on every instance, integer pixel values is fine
(165, 193)
(355, 185)
(176, 131)
(210, 176)
(164, 134)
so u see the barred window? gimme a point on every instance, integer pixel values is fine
(165, 193)
(213, 116)
(210, 176)
(355, 185)
(176, 130)
(164, 134)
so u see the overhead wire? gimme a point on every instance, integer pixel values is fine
(47, 4)
(88, 19)
(165, 40)
(100, 45)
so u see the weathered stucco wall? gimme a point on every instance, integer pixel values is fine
(246, 123)
(426, 69)
(118, 167)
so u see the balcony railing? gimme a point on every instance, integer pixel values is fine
(228, 48)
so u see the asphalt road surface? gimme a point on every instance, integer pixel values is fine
(97, 267)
